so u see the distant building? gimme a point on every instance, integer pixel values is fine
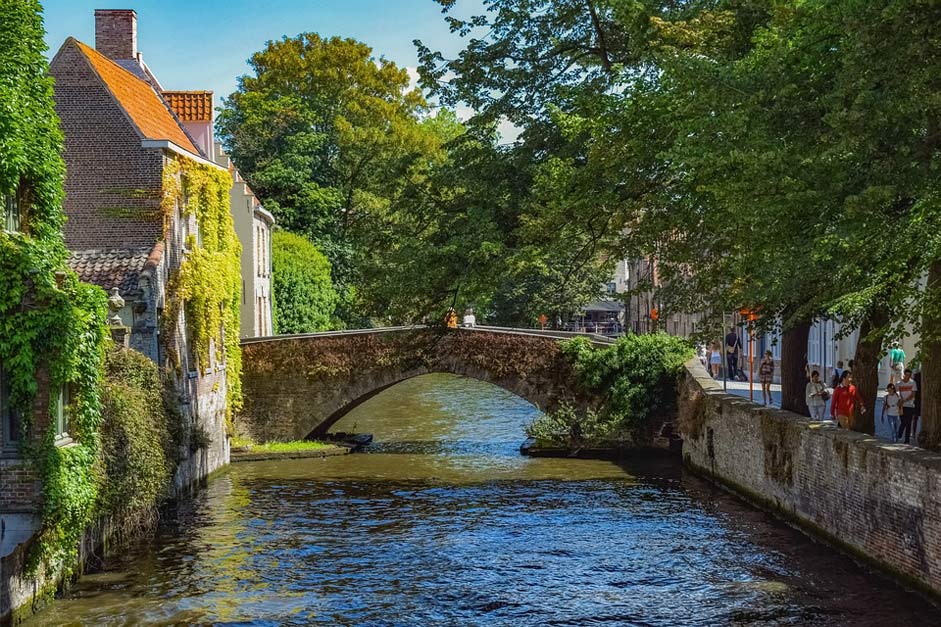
(253, 225)
(633, 303)
(121, 138)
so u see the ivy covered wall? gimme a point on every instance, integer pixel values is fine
(208, 283)
(51, 325)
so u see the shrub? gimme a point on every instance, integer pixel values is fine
(304, 296)
(138, 445)
(634, 382)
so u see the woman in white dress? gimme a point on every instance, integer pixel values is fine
(816, 396)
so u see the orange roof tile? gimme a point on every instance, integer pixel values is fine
(190, 106)
(143, 105)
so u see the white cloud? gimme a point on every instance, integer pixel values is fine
(413, 76)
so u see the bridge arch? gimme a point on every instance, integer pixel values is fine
(299, 386)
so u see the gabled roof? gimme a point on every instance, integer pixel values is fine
(146, 109)
(190, 106)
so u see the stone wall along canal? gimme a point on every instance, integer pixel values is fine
(441, 522)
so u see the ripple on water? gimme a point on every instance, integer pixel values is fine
(443, 523)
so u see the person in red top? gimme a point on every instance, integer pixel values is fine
(845, 398)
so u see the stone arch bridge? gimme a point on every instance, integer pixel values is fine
(298, 386)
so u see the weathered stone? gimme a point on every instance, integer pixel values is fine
(300, 386)
(877, 500)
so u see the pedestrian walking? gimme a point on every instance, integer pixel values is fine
(845, 400)
(765, 375)
(715, 359)
(896, 363)
(892, 406)
(916, 377)
(817, 396)
(906, 388)
(733, 346)
(837, 374)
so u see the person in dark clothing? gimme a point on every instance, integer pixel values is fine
(906, 389)
(733, 346)
(917, 415)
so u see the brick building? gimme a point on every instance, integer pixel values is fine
(252, 223)
(121, 138)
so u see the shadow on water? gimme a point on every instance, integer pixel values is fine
(442, 522)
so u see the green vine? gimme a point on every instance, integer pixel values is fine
(51, 325)
(208, 282)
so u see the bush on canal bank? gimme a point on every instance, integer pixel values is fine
(634, 381)
(140, 442)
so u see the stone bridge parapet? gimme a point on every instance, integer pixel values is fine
(298, 386)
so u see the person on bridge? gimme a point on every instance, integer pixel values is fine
(715, 359)
(470, 320)
(845, 399)
(450, 318)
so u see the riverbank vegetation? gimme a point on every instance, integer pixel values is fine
(295, 446)
(634, 383)
(141, 442)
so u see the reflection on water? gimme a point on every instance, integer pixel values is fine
(442, 522)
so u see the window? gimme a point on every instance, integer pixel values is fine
(9, 417)
(62, 411)
(11, 212)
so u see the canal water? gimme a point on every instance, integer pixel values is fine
(442, 522)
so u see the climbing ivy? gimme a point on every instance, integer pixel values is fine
(208, 282)
(51, 325)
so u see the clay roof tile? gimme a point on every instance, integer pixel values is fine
(143, 105)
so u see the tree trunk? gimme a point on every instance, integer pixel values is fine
(931, 363)
(793, 368)
(866, 369)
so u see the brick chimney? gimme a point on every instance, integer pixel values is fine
(116, 33)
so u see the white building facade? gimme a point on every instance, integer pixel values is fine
(253, 225)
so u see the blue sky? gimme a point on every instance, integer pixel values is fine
(203, 44)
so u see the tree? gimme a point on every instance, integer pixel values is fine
(304, 297)
(325, 134)
(715, 137)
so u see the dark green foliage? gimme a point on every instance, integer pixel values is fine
(634, 381)
(49, 322)
(304, 298)
(137, 448)
(30, 139)
(325, 133)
